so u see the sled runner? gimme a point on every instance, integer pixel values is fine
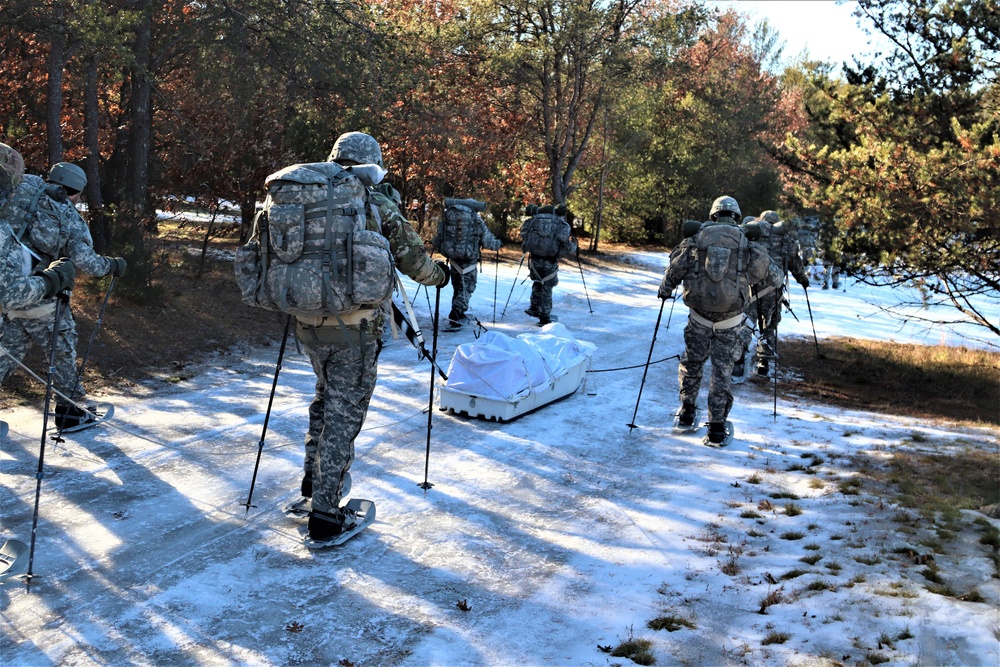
(502, 378)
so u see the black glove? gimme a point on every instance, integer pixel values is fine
(60, 275)
(497, 246)
(443, 265)
(804, 283)
(118, 266)
(663, 293)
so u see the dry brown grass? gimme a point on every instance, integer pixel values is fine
(936, 382)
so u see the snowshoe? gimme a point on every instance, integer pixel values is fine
(686, 419)
(70, 419)
(546, 319)
(13, 559)
(719, 434)
(358, 515)
(302, 506)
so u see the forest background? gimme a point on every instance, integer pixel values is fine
(637, 113)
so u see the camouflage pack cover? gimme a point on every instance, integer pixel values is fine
(461, 234)
(544, 234)
(311, 254)
(719, 283)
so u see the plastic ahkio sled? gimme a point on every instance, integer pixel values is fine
(501, 378)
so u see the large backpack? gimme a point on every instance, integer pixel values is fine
(311, 253)
(540, 235)
(35, 219)
(719, 282)
(460, 233)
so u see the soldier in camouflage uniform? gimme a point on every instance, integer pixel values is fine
(44, 215)
(17, 290)
(460, 236)
(345, 357)
(764, 311)
(543, 268)
(711, 333)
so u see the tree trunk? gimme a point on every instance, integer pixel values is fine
(92, 164)
(54, 102)
(140, 120)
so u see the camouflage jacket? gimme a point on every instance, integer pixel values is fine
(17, 291)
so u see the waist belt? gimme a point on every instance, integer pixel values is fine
(733, 321)
(348, 320)
(32, 313)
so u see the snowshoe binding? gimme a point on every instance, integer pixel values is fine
(302, 506)
(13, 559)
(330, 530)
(70, 419)
(686, 419)
(719, 434)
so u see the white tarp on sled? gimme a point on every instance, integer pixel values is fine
(499, 377)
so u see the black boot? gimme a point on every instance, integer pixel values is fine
(307, 485)
(70, 416)
(716, 432)
(325, 526)
(687, 414)
(763, 367)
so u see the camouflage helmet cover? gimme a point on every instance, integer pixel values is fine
(12, 166)
(770, 216)
(747, 219)
(69, 176)
(725, 204)
(357, 146)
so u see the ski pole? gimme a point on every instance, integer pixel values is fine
(496, 279)
(430, 402)
(812, 322)
(267, 415)
(62, 301)
(777, 311)
(632, 424)
(97, 326)
(580, 265)
(523, 255)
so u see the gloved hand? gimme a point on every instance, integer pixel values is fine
(664, 293)
(443, 265)
(804, 283)
(60, 275)
(118, 266)
(498, 245)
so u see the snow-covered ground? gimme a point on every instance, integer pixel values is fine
(542, 541)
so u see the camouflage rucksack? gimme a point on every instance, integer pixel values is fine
(35, 219)
(311, 253)
(718, 283)
(460, 233)
(541, 235)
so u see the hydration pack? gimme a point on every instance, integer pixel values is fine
(311, 253)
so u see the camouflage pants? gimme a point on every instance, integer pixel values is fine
(17, 336)
(831, 270)
(463, 281)
(544, 275)
(721, 346)
(345, 380)
(765, 314)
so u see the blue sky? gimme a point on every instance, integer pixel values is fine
(824, 28)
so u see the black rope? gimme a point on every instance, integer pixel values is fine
(626, 368)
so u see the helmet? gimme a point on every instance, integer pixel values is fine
(770, 216)
(725, 205)
(357, 146)
(69, 176)
(11, 169)
(748, 218)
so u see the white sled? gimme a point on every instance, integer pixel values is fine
(501, 378)
(13, 559)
